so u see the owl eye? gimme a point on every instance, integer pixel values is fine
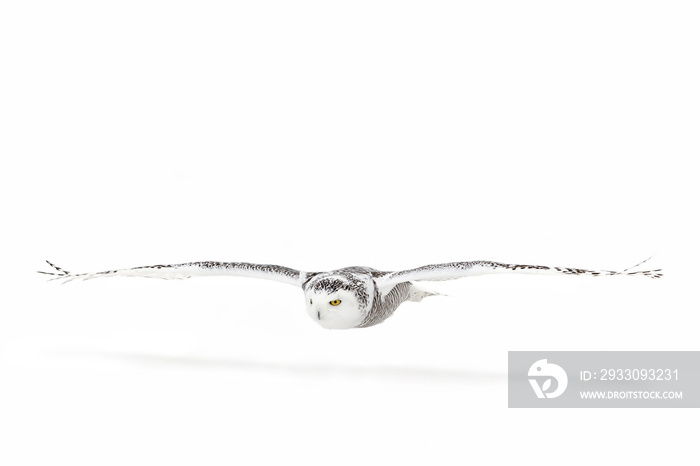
(335, 302)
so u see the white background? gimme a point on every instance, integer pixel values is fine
(319, 135)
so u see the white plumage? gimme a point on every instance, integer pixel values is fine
(351, 297)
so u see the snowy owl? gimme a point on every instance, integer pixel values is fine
(351, 297)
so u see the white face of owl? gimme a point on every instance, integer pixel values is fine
(334, 310)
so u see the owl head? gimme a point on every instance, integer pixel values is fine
(338, 300)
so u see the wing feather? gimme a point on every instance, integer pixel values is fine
(453, 270)
(191, 269)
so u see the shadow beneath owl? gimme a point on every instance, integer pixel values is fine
(314, 370)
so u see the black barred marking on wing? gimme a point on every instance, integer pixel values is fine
(570, 271)
(466, 266)
(266, 268)
(59, 269)
(63, 273)
(287, 274)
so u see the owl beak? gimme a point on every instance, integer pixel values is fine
(318, 314)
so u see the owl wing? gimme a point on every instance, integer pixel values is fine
(191, 269)
(452, 270)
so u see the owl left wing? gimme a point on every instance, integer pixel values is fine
(452, 270)
(191, 269)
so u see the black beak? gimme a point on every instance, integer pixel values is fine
(319, 315)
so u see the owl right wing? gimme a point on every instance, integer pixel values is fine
(453, 270)
(191, 269)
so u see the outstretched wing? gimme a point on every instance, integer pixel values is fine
(452, 270)
(191, 269)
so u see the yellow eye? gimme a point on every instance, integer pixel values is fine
(335, 302)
